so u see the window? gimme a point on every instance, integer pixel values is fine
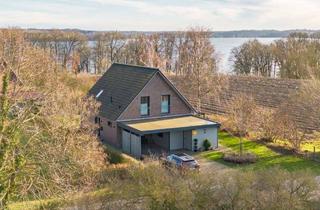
(101, 91)
(109, 124)
(165, 104)
(97, 120)
(145, 105)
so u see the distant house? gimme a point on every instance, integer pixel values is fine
(142, 111)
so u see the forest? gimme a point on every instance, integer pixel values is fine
(296, 57)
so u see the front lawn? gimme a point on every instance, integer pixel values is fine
(266, 156)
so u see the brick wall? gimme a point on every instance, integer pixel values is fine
(156, 87)
(109, 132)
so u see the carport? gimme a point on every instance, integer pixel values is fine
(167, 134)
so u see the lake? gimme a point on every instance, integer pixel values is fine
(223, 47)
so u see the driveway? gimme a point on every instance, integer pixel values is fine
(210, 166)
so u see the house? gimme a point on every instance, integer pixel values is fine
(142, 111)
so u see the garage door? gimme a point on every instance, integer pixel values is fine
(131, 143)
(135, 145)
(126, 141)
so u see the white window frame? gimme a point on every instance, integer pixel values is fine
(142, 105)
(99, 94)
(168, 105)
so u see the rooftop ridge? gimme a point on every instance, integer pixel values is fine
(133, 65)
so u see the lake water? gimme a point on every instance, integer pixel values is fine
(223, 47)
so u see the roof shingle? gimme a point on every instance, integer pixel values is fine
(120, 84)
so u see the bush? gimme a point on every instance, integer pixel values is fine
(114, 157)
(206, 144)
(151, 186)
(154, 187)
(240, 159)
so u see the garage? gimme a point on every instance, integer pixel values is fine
(159, 136)
(131, 143)
(155, 143)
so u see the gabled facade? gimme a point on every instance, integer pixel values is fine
(141, 111)
(158, 91)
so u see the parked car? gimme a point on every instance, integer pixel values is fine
(182, 161)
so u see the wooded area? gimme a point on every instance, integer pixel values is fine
(296, 57)
(48, 144)
(169, 51)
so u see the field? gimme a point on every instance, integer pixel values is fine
(266, 156)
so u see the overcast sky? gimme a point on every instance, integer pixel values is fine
(153, 15)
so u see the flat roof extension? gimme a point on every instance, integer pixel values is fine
(167, 124)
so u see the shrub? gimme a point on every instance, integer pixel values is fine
(114, 157)
(265, 125)
(206, 144)
(241, 115)
(240, 159)
(154, 187)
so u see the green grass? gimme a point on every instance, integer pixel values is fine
(305, 146)
(266, 157)
(57, 203)
(309, 146)
(115, 156)
(53, 203)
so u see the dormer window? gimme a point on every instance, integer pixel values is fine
(165, 104)
(145, 106)
(101, 91)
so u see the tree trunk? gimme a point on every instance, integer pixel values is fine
(241, 146)
(4, 99)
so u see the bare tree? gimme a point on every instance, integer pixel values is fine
(242, 116)
(306, 100)
(99, 54)
(46, 126)
(197, 64)
(253, 58)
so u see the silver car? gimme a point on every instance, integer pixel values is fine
(182, 160)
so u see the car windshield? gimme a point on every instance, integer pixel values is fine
(190, 162)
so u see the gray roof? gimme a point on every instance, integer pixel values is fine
(120, 84)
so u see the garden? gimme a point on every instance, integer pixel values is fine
(266, 156)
